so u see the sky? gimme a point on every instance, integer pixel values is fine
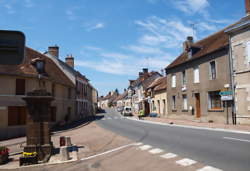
(112, 40)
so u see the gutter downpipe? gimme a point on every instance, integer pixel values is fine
(232, 85)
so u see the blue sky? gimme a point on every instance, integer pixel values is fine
(112, 40)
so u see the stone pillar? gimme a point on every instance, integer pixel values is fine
(37, 130)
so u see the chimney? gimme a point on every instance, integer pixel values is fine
(131, 82)
(145, 73)
(69, 60)
(125, 90)
(188, 43)
(247, 5)
(141, 76)
(54, 51)
(145, 70)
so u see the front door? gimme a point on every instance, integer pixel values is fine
(198, 105)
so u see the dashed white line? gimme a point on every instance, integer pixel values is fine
(169, 155)
(156, 151)
(209, 168)
(186, 162)
(236, 139)
(145, 147)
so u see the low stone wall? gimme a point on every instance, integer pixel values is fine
(12, 132)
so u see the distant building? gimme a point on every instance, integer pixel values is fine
(157, 95)
(239, 36)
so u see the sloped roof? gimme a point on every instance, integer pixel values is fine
(208, 45)
(145, 83)
(26, 69)
(156, 82)
(162, 85)
(121, 96)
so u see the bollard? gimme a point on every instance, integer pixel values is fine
(64, 153)
(68, 141)
(62, 141)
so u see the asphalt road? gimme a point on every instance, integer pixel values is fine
(227, 151)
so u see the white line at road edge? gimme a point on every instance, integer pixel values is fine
(236, 139)
(193, 127)
(110, 151)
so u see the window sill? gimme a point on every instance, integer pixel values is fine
(215, 110)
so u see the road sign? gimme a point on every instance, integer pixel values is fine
(226, 98)
(226, 93)
(12, 45)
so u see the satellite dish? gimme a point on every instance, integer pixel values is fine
(12, 46)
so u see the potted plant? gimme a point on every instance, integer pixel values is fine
(4, 154)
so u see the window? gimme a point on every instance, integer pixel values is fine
(214, 100)
(248, 52)
(173, 102)
(184, 79)
(173, 81)
(20, 86)
(52, 114)
(69, 93)
(212, 70)
(184, 102)
(16, 115)
(53, 90)
(196, 75)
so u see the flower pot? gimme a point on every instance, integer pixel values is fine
(4, 158)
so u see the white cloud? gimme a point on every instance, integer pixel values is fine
(191, 6)
(9, 9)
(71, 14)
(96, 26)
(144, 49)
(29, 3)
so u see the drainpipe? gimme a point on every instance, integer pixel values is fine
(232, 85)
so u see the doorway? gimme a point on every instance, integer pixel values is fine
(198, 105)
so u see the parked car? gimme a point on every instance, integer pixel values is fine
(153, 115)
(120, 109)
(127, 111)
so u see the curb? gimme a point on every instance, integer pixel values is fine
(193, 127)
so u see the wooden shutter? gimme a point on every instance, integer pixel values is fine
(20, 86)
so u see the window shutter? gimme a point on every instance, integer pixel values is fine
(196, 75)
(20, 86)
(248, 52)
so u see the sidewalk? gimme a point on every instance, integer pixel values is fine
(199, 124)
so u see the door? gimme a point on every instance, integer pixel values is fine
(198, 105)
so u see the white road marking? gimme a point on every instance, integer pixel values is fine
(145, 147)
(107, 152)
(139, 143)
(236, 139)
(209, 168)
(109, 118)
(186, 162)
(192, 127)
(156, 151)
(169, 156)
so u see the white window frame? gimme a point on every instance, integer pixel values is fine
(184, 79)
(248, 52)
(173, 102)
(184, 102)
(210, 70)
(173, 80)
(196, 72)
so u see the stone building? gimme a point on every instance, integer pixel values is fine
(16, 81)
(196, 78)
(239, 37)
(158, 96)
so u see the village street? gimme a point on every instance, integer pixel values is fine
(224, 150)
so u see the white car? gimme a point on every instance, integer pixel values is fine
(127, 111)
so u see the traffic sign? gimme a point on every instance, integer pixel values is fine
(226, 93)
(226, 98)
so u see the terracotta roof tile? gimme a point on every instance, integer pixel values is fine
(26, 69)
